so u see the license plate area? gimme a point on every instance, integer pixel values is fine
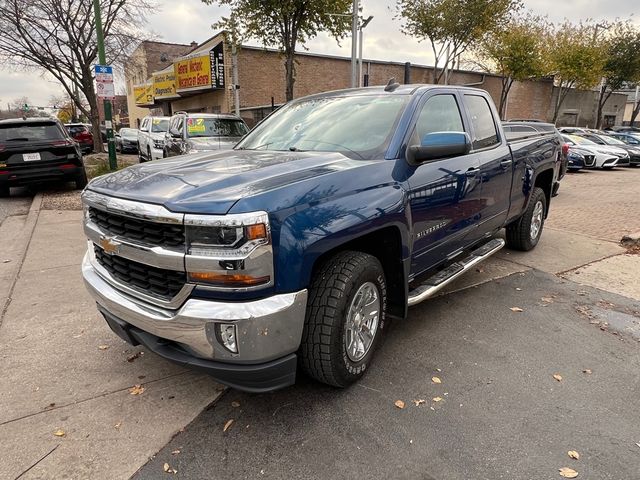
(31, 157)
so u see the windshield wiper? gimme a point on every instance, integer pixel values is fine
(265, 145)
(17, 139)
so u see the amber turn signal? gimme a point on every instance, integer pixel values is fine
(257, 231)
(223, 280)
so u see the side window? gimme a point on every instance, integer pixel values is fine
(145, 124)
(180, 124)
(524, 129)
(484, 127)
(440, 113)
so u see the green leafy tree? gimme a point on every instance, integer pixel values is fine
(621, 63)
(285, 24)
(452, 26)
(575, 57)
(514, 52)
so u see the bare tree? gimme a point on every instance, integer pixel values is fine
(58, 36)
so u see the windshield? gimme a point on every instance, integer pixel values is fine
(359, 126)
(611, 140)
(30, 132)
(160, 125)
(215, 127)
(581, 140)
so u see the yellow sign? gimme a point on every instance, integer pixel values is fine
(196, 126)
(164, 85)
(143, 94)
(193, 73)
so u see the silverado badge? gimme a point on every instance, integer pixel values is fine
(109, 245)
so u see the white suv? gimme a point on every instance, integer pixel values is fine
(151, 137)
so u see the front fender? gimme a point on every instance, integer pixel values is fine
(306, 234)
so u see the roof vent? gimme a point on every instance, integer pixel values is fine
(391, 85)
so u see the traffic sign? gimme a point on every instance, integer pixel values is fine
(104, 73)
(106, 90)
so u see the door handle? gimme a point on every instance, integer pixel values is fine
(472, 172)
(505, 163)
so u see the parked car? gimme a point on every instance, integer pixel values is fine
(515, 128)
(36, 150)
(606, 156)
(127, 140)
(151, 138)
(572, 130)
(634, 152)
(579, 159)
(202, 132)
(334, 214)
(629, 138)
(81, 133)
(625, 128)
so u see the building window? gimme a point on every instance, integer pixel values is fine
(609, 120)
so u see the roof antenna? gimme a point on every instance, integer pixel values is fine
(391, 85)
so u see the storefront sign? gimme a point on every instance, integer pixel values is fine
(164, 85)
(143, 94)
(200, 72)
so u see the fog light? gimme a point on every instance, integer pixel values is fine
(228, 336)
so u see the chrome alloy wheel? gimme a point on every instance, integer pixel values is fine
(536, 220)
(362, 321)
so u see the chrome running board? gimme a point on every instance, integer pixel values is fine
(437, 282)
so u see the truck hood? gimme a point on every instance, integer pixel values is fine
(213, 182)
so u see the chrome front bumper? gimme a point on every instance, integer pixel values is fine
(267, 329)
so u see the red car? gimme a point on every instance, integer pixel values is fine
(81, 133)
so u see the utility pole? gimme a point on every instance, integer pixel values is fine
(354, 41)
(111, 145)
(360, 42)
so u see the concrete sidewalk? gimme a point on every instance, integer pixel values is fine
(64, 370)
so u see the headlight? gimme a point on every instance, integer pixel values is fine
(158, 143)
(230, 251)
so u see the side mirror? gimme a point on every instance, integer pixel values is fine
(175, 133)
(439, 145)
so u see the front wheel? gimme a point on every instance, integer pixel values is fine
(345, 318)
(524, 233)
(81, 180)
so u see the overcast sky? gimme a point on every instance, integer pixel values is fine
(183, 21)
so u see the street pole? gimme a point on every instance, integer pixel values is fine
(354, 40)
(111, 145)
(360, 42)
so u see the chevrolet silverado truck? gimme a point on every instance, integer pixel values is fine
(332, 216)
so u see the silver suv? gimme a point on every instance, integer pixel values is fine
(151, 137)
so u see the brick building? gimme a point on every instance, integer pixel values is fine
(202, 81)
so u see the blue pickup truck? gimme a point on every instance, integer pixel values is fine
(331, 217)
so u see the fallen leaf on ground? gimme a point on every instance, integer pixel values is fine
(567, 472)
(638, 444)
(518, 289)
(131, 358)
(50, 406)
(136, 390)
(573, 454)
(79, 334)
(437, 399)
(419, 401)
(59, 433)
(547, 299)
(516, 309)
(175, 452)
(480, 270)
(399, 403)
(103, 347)
(227, 425)
(436, 380)
(117, 425)
(167, 468)
(235, 404)
(438, 369)
(557, 376)
(587, 371)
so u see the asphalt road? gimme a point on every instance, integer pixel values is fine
(502, 415)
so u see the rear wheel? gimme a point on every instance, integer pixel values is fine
(345, 318)
(81, 180)
(524, 233)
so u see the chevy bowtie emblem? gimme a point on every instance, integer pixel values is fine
(109, 245)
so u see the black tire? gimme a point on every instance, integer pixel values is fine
(165, 154)
(149, 157)
(323, 353)
(81, 180)
(5, 191)
(519, 232)
(556, 187)
(140, 157)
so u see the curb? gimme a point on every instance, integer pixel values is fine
(23, 239)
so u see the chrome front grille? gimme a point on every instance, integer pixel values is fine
(143, 231)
